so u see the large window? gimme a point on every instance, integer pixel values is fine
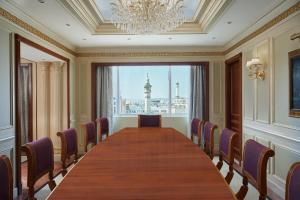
(151, 90)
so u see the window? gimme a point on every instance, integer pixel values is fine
(151, 90)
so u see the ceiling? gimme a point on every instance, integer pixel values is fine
(33, 54)
(86, 23)
(189, 10)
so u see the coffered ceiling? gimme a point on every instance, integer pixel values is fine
(96, 15)
(86, 24)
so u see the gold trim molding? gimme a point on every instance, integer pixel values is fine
(265, 27)
(149, 54)
(7, 15)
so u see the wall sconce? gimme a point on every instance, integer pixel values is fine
(255, 68)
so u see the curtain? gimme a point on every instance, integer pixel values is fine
(198, 92)
(104, 93)
(24, 98)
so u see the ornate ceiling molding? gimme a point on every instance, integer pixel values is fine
(148, 54)
(87, 12)
(265, 27)
(15, 20)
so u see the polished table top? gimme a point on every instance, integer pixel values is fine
(144, 163)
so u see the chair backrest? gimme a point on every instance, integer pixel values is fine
(90, 134)
(292, 191)
(149, 120)
(103, 125)
(6, 180)
(227, 140)
(40, 156)
(69, 145)
(208, 136)
(255, 160)
(196, 126)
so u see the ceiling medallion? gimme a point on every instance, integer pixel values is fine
(147, 17)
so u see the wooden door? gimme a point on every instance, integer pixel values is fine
(234, 100)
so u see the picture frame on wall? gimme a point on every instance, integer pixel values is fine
(294, 80)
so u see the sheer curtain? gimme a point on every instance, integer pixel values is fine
(104, 93)
(24, 94)
(198, 93)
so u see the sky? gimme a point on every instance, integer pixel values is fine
(133, 79)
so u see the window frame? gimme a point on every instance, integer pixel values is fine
(170, 64)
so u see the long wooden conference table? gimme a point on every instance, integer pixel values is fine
(144, 163)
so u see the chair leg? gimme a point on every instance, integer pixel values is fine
(220, 163)
(64, 172)
(31, 192)
(262, 196)
(243, 190)
(51, 182)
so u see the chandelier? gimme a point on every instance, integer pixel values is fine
(147, 16)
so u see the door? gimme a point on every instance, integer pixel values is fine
(234, 100)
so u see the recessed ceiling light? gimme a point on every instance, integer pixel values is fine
(229, 22)
(68, 25)
(41, 1)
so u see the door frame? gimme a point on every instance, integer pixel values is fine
(18, 40)
(228, 62)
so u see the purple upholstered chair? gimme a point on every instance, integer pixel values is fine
(208, 136)
(6, 180)
(69, 148)
(90, 134)
(40, 158)
(255, 160)
(103, 127)
(196, 126)
(149, 121)
(292, 191)
(226, 152)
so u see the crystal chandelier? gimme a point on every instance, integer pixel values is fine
(147, 16)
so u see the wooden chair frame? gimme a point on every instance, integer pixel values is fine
(199, 133)
(209, 145)
(10, 176)
(65, 157)
(86, 142)
(229, 159)
(98, 121)
(288, 179)
(32, 179)
(139, 121)
(261, 183)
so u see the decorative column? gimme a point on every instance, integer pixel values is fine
(42, 96)
(56, 102)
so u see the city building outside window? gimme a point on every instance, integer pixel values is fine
(151, 90)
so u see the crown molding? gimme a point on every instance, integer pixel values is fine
(16, 21)
(24, 25)
(282, 16)
(148, 54)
